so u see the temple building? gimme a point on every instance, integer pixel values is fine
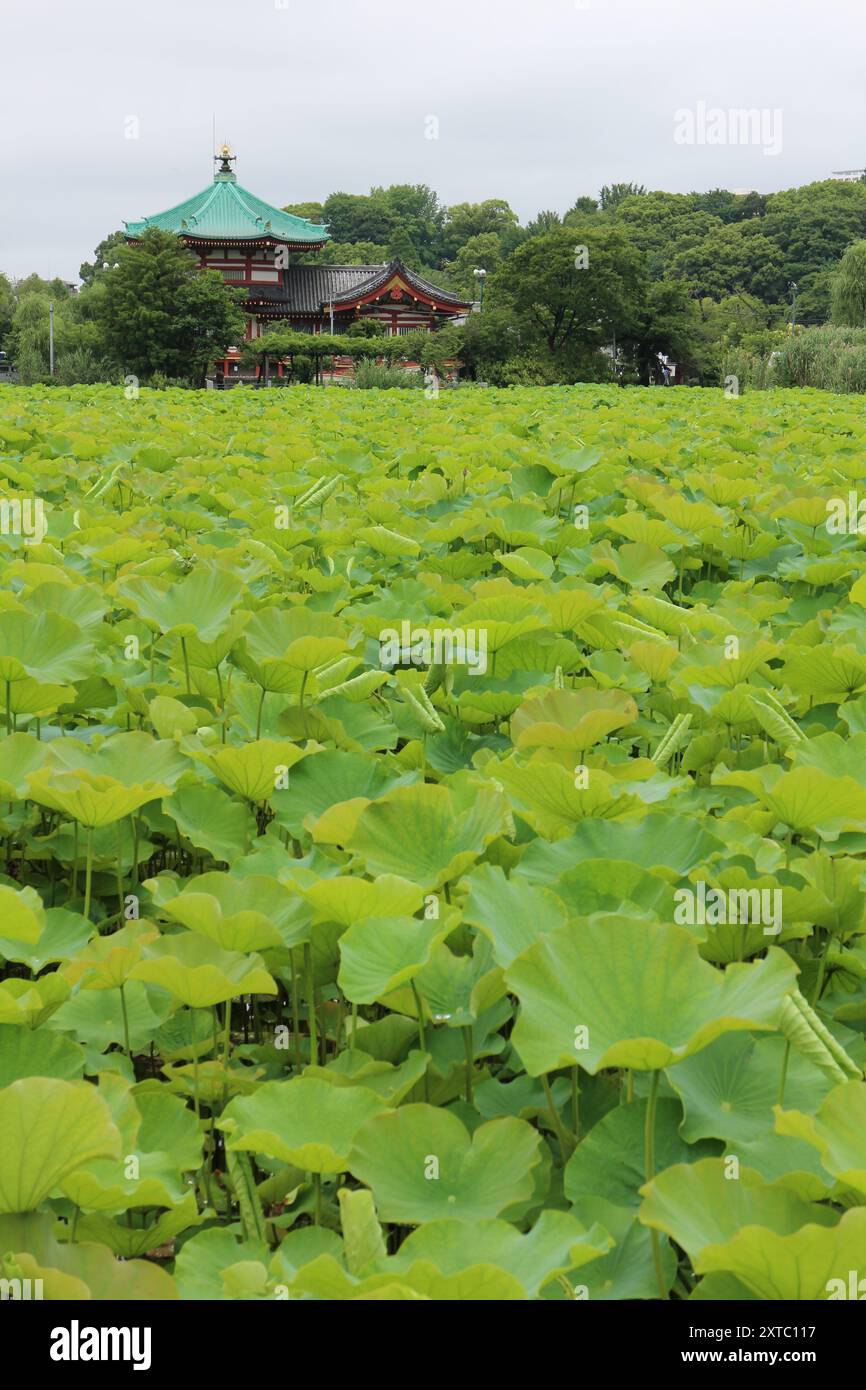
(252, 244)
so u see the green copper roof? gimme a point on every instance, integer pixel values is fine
(227, 212)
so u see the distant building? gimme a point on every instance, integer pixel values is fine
(251, 244)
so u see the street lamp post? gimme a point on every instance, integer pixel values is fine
(480, 276)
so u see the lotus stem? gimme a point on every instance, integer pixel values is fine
(470, 1061)
(650, 1172)
(422, 1034)
(317, 1188)
(296, 1012)
(186, 665)
(784, 1073)
(88, 875)
(311, 1002)
(126, 1029)
(567, 1141)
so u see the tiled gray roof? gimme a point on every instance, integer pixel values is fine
(308, 289)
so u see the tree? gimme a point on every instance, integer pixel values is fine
(614, 193)
(483, 252)
(313, 212)
(159, 313)
(465, 221)
(7, 309)
(848, 292)
(583, 207)
(578, 285)
(546, 221)
(104, 258)
(358, 217)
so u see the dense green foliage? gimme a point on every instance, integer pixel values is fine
(694, 276)
(361, 753)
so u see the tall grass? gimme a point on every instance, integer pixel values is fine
(829, 358)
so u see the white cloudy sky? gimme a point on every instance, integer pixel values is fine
(538, 101)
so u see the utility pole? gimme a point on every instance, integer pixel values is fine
(51, 337)
(793, 288)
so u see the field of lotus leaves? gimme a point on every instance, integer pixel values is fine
(433, 835)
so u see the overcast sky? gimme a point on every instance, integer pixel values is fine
(537, 101)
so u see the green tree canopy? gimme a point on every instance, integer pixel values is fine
(848, 294)
(159, 313)
(573, 306)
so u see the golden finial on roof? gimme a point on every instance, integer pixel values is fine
(227, 157)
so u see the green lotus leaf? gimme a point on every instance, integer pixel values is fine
(160, 1141)
(91, 799)
(106, 962)
(256, 769)
(47, 648)
(609, 1161)
(304, 1122)
(571, 719)
(628, 1270)
(20, 754)
(423, 1165)
(510, 911)
(728, 1090)
(808, 1265)
(457, 989)
(527, 562)
(279, 645)
(81, 1271)
(641, 565)
(21, 914)
(64, 935)
(198, 605)
(211, 820)
(31, 1002)
(49, 1128)
(350, 900)
(207, 1264)
(363, 1241)
(238, 914)
(379, 954)
(625, 993)
(700, 1207)
(429, 834)
(548, 797)
(556, 1244)
(667, 844)
(356, 1068)
(96, 1016)
(326, 779)
(23, 1053)
(836, 1130)
(130, 1242)
(195, 970)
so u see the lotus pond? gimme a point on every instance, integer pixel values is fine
(433, 845)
